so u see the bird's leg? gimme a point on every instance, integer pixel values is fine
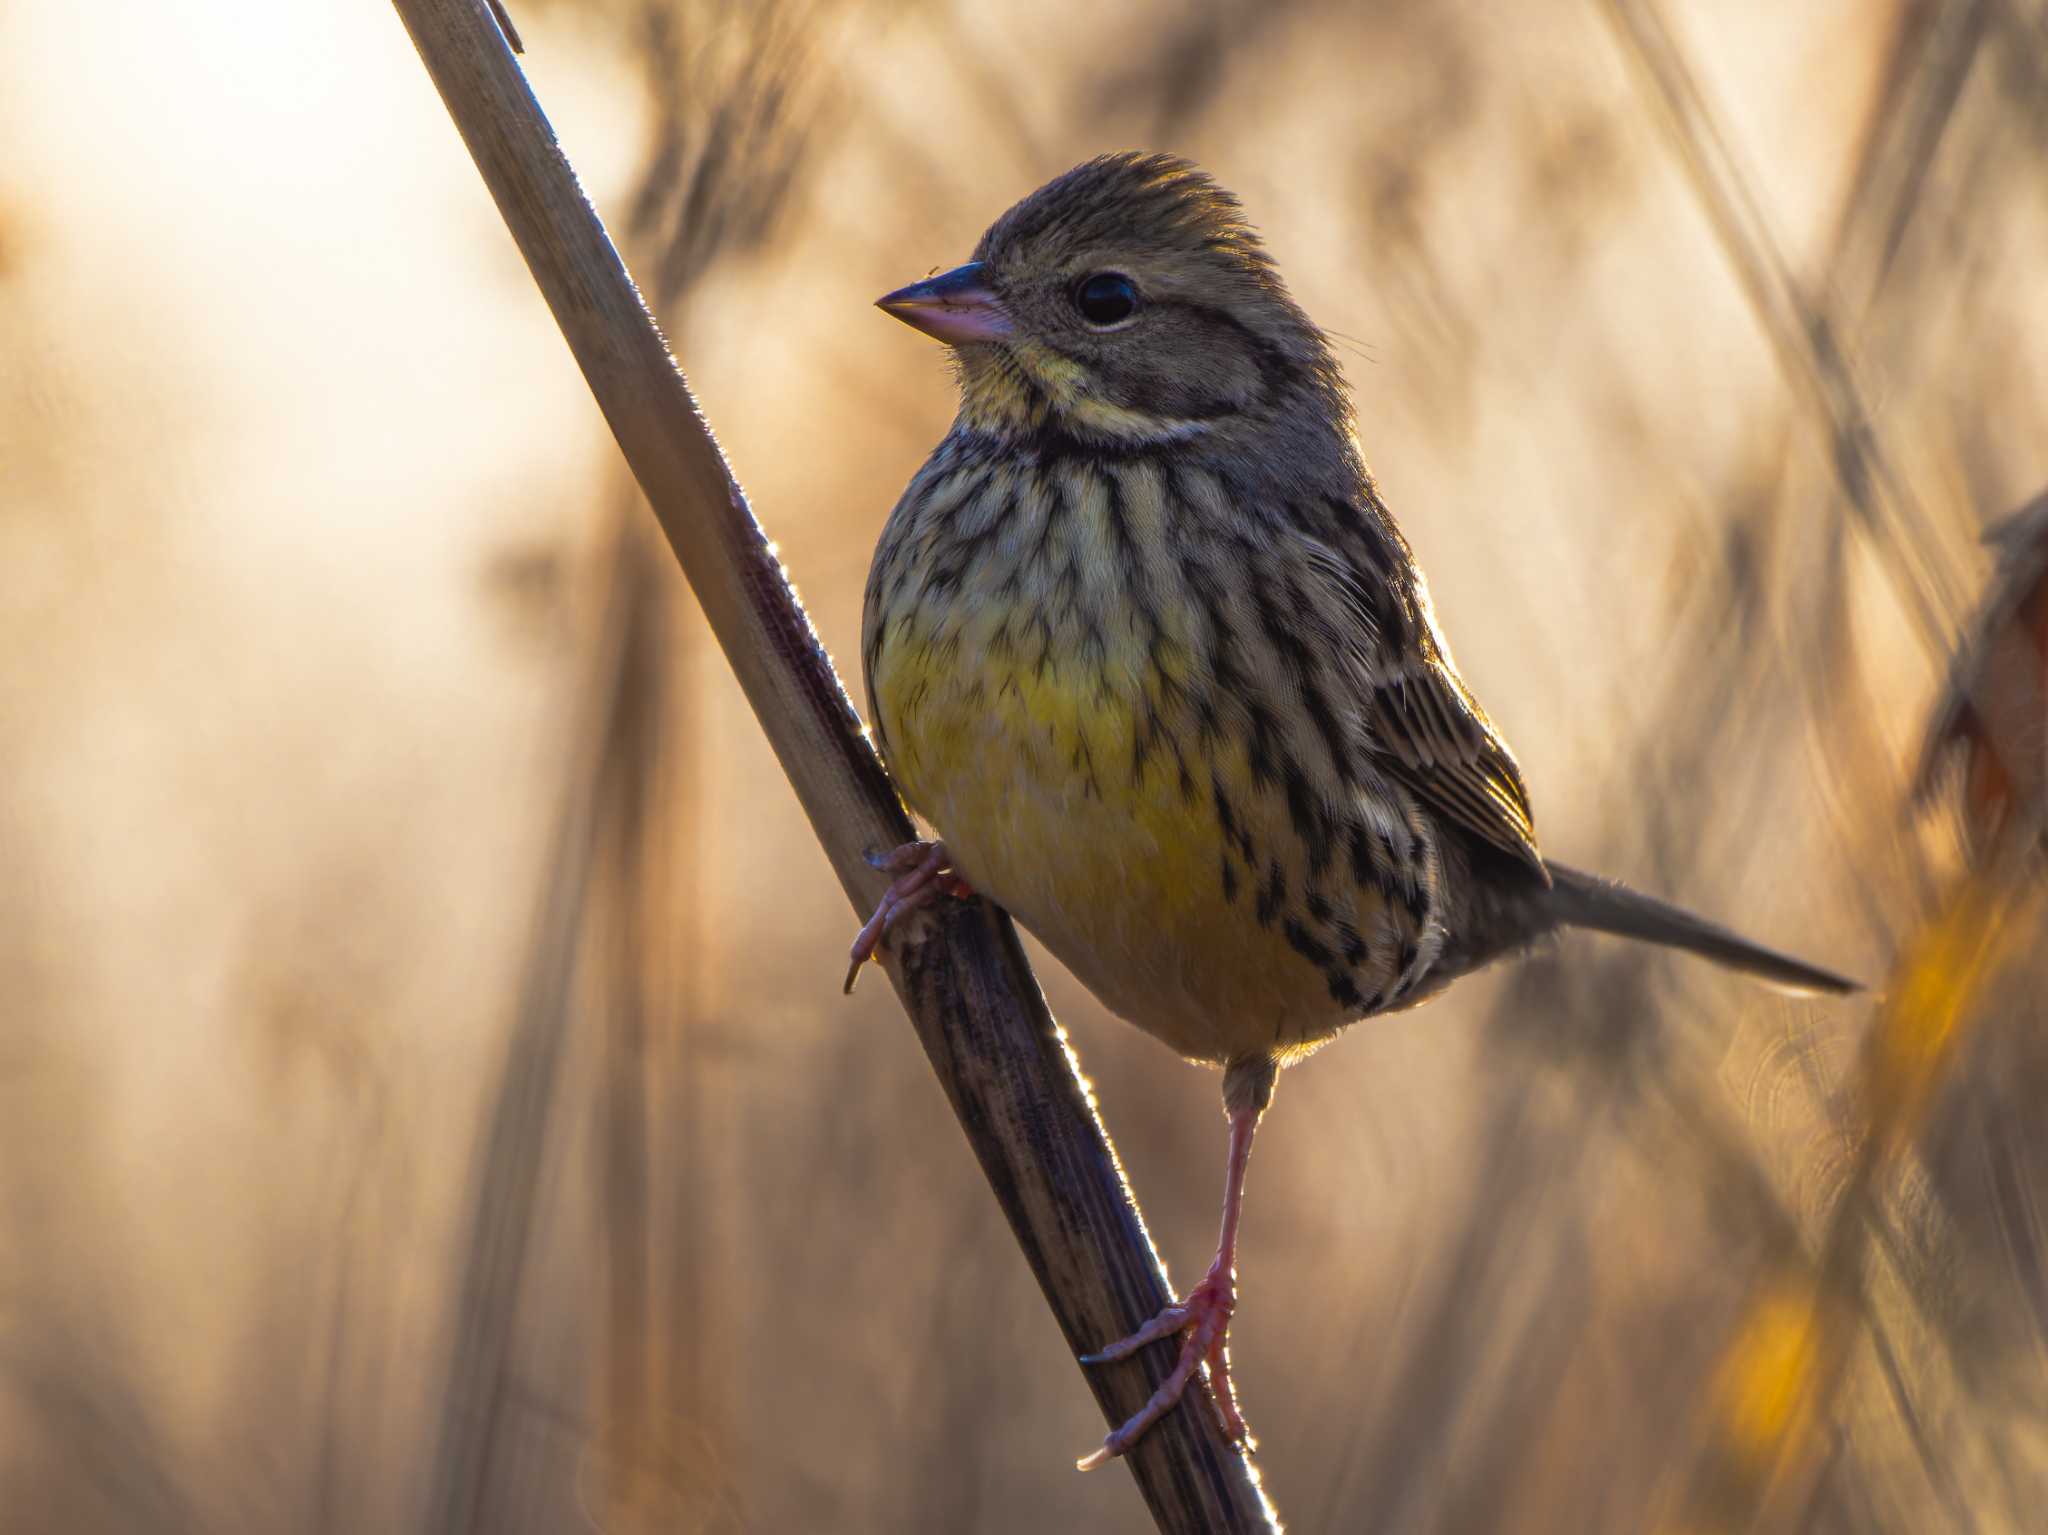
(1203, 1319)
(921, 878)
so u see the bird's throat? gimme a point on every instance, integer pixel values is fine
(1017, 389)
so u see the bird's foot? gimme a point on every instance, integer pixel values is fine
(1203, 1321)
(921, 878)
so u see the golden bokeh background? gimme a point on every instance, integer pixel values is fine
(426, 1099)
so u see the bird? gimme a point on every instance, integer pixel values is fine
(1146, 650)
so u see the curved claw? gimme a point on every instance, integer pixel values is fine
(1203, 1320)
(921, 877)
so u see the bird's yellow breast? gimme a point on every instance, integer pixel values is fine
(1036, 695)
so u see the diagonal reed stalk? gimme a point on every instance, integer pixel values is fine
(1804, 331)
(969, 992)
(1764, 1429)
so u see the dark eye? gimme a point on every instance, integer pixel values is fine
(1107, 298)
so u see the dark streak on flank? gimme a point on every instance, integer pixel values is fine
(1303, 943)
(1261, 750)
(1272, 894)
(1307, 816)
(1380, 872)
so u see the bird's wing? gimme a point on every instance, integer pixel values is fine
(1432, 736)
(1424, 727)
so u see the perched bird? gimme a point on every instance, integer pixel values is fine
(1146, 649)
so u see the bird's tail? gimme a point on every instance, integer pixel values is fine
(1578, 899)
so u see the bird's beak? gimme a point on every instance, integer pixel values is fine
(955, 306)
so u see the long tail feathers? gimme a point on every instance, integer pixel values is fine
(1578, 899)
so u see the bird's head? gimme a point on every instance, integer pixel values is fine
(1126, 302)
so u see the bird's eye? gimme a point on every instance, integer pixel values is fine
(1107, 298)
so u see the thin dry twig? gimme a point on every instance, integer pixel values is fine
(1002, 1060)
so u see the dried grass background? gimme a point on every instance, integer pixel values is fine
(425, 1097)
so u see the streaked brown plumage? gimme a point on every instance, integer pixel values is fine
(1145, 646)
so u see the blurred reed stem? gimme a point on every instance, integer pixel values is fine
(632, 755)
(510, 1159)
(1781, 1369)
(1002, 1060)
(1802, 327)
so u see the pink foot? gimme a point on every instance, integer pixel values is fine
(1203, 1320)
(921, 878)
